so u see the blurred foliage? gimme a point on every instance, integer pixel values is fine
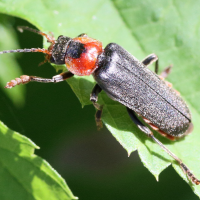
(9, 67)
(26, 174)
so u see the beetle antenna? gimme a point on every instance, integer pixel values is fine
(45, 51)
(49, 38)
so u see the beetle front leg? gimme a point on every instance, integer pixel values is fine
(94, 98)
(26, 79)
(149, 133)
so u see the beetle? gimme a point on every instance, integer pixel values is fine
(124, 79)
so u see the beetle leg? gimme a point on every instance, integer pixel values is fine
(154, 58)
(83, 35)
(149, 133)
(166, 72)
(26, 79)
(94, 98)
(139, 124)
(150, 59)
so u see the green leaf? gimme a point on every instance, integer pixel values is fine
(9, 67)
(168, 28)
(25, 175)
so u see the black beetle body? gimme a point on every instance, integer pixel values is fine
(127, 80)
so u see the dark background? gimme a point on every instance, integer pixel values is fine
(93, 163)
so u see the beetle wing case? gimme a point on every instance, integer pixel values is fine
(127, 80)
